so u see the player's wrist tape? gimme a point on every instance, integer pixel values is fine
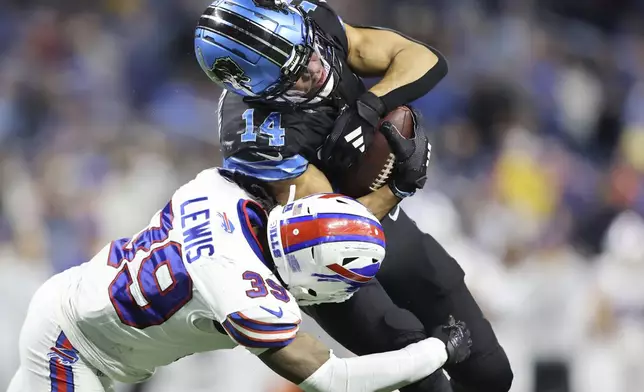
(399, 193)
(371, 108)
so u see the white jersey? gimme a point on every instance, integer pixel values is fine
(146, 301)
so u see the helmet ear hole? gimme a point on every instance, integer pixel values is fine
(374, 261)
(347, 260)
(313, 293)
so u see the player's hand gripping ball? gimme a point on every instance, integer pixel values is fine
(387, 157)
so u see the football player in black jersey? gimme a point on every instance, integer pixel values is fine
(291, 73)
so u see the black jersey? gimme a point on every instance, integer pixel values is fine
(274, 143)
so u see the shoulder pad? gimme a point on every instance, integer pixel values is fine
(270, 144)
(327, 19)
(243, 126)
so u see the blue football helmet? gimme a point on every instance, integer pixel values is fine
(262, 50)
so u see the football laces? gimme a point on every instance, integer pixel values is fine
(384, 174)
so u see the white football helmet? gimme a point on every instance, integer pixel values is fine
(325, 247)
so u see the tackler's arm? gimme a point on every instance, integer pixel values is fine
(312, 366)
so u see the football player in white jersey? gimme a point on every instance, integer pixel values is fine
(214, 271)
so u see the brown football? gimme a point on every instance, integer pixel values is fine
(377, 162)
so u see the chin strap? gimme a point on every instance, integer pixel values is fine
(291, 194)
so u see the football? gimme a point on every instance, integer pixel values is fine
(377, 162)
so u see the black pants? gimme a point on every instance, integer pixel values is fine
(420, 277)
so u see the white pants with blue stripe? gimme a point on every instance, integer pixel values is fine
(48, 361)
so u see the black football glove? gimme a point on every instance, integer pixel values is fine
(352, 133)
(412, 159)
(457, 340)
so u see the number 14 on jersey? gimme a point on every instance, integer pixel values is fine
(271, 127)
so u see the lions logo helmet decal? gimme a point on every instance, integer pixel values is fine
(226, 71)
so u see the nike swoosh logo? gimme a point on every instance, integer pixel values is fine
(394, 214)
(276, 158)
(277, 314)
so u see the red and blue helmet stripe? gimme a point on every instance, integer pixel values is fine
(305, 231)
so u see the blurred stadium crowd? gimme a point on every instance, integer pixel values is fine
(537, 174)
